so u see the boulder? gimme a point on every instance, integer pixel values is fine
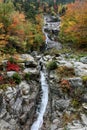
(62, 104)
(33, 72)
(80, 69)
(83, 60)
(24, 88)
(75, 82)
(26, 57)
(10, 73)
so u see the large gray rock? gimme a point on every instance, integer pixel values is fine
(80, 69)
(33, 72)
(24, 88)
(75, 82)
(62, 104)
(26, 57)
(10, 73)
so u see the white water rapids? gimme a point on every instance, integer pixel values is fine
(44, 100)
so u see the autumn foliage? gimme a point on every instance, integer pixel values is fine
(74, 24)
(12, 67)
(18, 32)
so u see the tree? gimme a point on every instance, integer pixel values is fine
(74, 24)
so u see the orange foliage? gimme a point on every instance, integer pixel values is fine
(74, 22)
(65, 84)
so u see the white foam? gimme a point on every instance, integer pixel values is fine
(38, 123)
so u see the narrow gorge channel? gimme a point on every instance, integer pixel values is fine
(50, 26)
(44, 100)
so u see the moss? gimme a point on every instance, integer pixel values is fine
(12, 60)
(51, 65)
(84, 78)
(17, 78)
(27, 76)
(75, 103)
(4, 86)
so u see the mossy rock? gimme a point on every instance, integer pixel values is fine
(4, 86)
(84, 78)
(51, 65)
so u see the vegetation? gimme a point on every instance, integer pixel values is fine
(51, 65)
(74, 24)
(27, 76)
(17, 78)
(18, 33)
(64, 71)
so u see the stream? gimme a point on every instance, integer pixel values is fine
(44, 86)
(51, 27)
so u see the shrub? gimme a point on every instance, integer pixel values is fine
(84, 78)
(64, 71)
(17, 78)
(51, 65)
(65, 85)
(12, 67)
(27, 76)
(12, 60)
(4, 86)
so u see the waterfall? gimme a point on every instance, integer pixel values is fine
(44, 100)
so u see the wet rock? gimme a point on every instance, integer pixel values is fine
(53, 44)
(1, 99)
(83, 60)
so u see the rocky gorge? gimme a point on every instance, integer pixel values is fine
(66, 76)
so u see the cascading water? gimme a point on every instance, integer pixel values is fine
(44, 86)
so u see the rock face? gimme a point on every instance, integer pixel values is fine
(63, 99)
(18, 103)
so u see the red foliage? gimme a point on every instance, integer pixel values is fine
(12, 67)
(1, 77)
(65, 84)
